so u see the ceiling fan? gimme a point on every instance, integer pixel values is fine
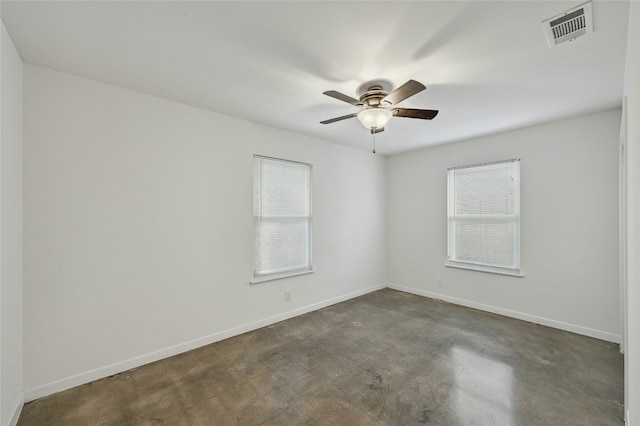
(377, 103)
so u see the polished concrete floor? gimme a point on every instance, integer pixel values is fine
(386, 358)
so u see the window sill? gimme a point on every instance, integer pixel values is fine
(487, 269)
(274, 277)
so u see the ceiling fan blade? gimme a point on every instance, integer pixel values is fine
(424, 114)
(344, 117)
(342, 97)
(408, 89)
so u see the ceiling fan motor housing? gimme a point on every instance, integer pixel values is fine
(372, 98)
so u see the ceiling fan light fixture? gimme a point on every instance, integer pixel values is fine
(374, 118)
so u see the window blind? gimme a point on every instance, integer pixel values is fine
(484, 215)
(282, 216)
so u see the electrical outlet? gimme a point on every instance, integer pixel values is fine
(287, 296)
(440, 281)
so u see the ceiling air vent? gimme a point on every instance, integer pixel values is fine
(568, 25)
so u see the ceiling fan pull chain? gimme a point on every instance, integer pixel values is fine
(374, 141)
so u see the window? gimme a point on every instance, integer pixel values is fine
(483, 212)
(282, 218)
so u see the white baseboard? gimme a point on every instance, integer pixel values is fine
(586, 331)
(16, 413)
(119, 367)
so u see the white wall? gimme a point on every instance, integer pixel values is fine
(10, 232)
(138, 228)
(632, 341)
(569, 225)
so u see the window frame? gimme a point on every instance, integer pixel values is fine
(451, 260)
(259, 277)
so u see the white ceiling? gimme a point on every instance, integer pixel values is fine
(486, 65)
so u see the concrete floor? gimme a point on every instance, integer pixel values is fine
(386, 358)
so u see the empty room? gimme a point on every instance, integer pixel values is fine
(320, 213)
